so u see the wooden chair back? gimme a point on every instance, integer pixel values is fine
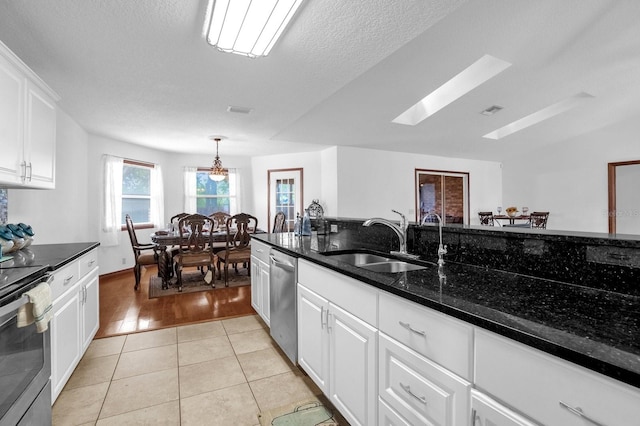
(220, 220)
(486, 218)
(239, 229)
(195, 235)
(539, 219)
(280, 223)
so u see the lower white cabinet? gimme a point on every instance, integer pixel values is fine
(336, 347)
(75, 319)
(420, 390)
(548, 389)
(487, 412)
(260, 288)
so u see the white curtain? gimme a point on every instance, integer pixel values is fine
(235, 206)
(157, 197)
(111, 200)
(190, 194)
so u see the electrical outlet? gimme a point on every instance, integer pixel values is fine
(124, 260)
(334, 227)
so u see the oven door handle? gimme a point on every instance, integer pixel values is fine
(9, 308)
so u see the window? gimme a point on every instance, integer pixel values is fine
(205, 196)
(136, 192)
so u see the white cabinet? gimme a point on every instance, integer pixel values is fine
(488, 412)
(27, 126)
(548, 389)
(75, 318)
(337, 339)
(422, 357)
(260, 279)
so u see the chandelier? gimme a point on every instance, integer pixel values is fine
(217, 173)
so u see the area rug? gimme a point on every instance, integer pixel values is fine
(194, 281)
(309, 412)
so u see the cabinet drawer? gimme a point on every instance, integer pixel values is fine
(88, 262)
(537, 384)
(388, 417)
(420, 390)
(64, 278)
(354, 296)
(260, 250)
(486, 411)
(438, 337)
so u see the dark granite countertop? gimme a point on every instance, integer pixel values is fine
(51, 256)
(594, 328)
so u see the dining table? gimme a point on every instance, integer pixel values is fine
(512, 219)
(167, 239)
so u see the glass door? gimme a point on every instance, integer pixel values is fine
(285, 195)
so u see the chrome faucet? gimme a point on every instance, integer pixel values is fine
(401, 231)
(442, 249)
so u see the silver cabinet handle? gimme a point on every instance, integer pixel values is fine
(578, 412)
(91, 262)
(23, 173)
(66, 280)
(328, 326)
(30, 171)
(407, 389)
(260, 250)
(413, 330)
(322, 324)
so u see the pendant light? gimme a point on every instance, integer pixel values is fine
(217, 173)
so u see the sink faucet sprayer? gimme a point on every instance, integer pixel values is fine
(401, 231)
(442, 249)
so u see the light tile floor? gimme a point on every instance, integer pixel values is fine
(215, 373)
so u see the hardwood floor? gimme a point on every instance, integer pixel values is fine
(124, 310)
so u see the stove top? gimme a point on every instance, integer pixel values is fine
(19, 270)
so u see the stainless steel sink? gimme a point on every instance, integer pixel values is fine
(358, 259)
(392, 266)
(375, 262)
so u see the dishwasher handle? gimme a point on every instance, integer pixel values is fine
(283, 265)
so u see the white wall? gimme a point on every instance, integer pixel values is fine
(569, 179)
(59, 215)
(372, 182)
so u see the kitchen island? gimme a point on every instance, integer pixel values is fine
(591, 328)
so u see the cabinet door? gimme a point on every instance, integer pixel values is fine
(264, 284)
(11, 122)
(313, 339)
(256, 287)
(40, 139)
(487, 412)
(90, 308)
(66, 340)
(352, 363)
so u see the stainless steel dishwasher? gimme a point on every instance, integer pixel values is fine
(283, 278)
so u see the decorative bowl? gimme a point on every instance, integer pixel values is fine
(511, 211)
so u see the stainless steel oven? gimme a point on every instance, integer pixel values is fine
(25, 361)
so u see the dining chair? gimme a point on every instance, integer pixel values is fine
(240, 227)
(219, 225)
(539, 219)
(280, 223)
(195, 247)
(143, 254)
(486, 218)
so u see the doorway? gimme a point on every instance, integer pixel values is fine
(285, 195)
(624, 203)
(443, 192)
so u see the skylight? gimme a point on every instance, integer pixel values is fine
(473, 76)
(538, 116)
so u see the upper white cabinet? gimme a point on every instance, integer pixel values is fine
(27, 126)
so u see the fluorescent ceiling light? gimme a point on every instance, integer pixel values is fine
(537, 117)
(473, 76)
(248, 27)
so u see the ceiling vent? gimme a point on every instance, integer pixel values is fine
(239, 110)
(491, 110)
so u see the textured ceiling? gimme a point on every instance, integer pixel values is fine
(141, 71)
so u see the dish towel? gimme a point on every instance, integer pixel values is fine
(38, 309)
